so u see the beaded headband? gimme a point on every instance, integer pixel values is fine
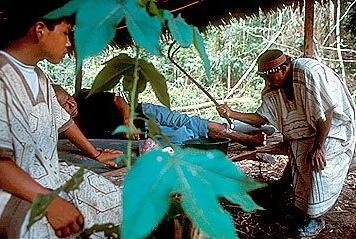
(271, 66)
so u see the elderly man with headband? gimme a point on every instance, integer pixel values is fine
(308, 103)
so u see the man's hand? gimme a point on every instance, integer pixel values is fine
(318, 161)
(224, 111)
(64, 217)
(107, 156)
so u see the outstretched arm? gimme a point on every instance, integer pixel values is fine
(248, 118)
(124, 108)
(106, 156)
(63, 216)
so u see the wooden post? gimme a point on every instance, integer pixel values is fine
(79, 79)
(228, 78)
(79, 75)
(308, 28)
(332, 13)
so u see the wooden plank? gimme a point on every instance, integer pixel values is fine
(308, 28)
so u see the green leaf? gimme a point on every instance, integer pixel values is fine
(113, 71)
(96, 24)
(41, 202)
(144, 29)
(109, 229)
(128, 85)
(121, 129)
(157, 81)
(199, 45)
(67, 10)
(200, 177)
(120, 158)
(141, 84)
(180, 31)
(150, 191)
(75, 181)
(167, 15)
(153, 128)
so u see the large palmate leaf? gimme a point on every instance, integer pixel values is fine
(96, 23)
(199, 45)
(67, 10)
(122, 66)
(157, 81)
(128, 83)
(200, 177)
(113, 71)
(144, 29)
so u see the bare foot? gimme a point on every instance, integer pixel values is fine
(258, 139)
(217, 130)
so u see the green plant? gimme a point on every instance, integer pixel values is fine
(200, 177)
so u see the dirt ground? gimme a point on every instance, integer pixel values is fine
(276, 221)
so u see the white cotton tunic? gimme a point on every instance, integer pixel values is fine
(316, 90)
(29, 130)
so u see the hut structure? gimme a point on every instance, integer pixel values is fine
(202, 13)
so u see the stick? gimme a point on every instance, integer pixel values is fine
(170, 57)
(278, 148)
(274, 38)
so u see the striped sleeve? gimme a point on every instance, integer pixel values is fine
(6, 142)
(311, 81)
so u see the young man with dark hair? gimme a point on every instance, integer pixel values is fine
(30, 119)
(313, 109)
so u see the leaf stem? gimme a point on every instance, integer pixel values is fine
(132, 108)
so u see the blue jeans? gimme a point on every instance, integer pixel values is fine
(176, 126)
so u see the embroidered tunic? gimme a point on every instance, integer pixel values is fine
(29, 133)
(316, 90)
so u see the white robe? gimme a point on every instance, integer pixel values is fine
(316, 90)
(29, 135)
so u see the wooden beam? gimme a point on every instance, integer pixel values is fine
(308, 28)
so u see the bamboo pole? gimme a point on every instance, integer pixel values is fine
(338, 39)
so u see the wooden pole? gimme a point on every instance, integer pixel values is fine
(308, 28)
(79, 76)
(332, 38)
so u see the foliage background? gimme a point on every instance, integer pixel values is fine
(232, 49)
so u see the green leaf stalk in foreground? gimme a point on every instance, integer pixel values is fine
(200, 177)
(68, 9)
(96, 23)
(41, 202)
(199, 45)
(180, 31)
(122, 66)
(144, 29)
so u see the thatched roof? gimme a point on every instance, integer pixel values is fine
(202, 13)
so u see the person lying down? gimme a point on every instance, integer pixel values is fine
(99, 114)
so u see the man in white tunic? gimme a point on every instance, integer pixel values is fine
(306, 101)
(30, 119)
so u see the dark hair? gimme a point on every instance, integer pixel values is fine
(16, 18)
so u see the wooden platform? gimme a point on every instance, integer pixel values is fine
(236, 152)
